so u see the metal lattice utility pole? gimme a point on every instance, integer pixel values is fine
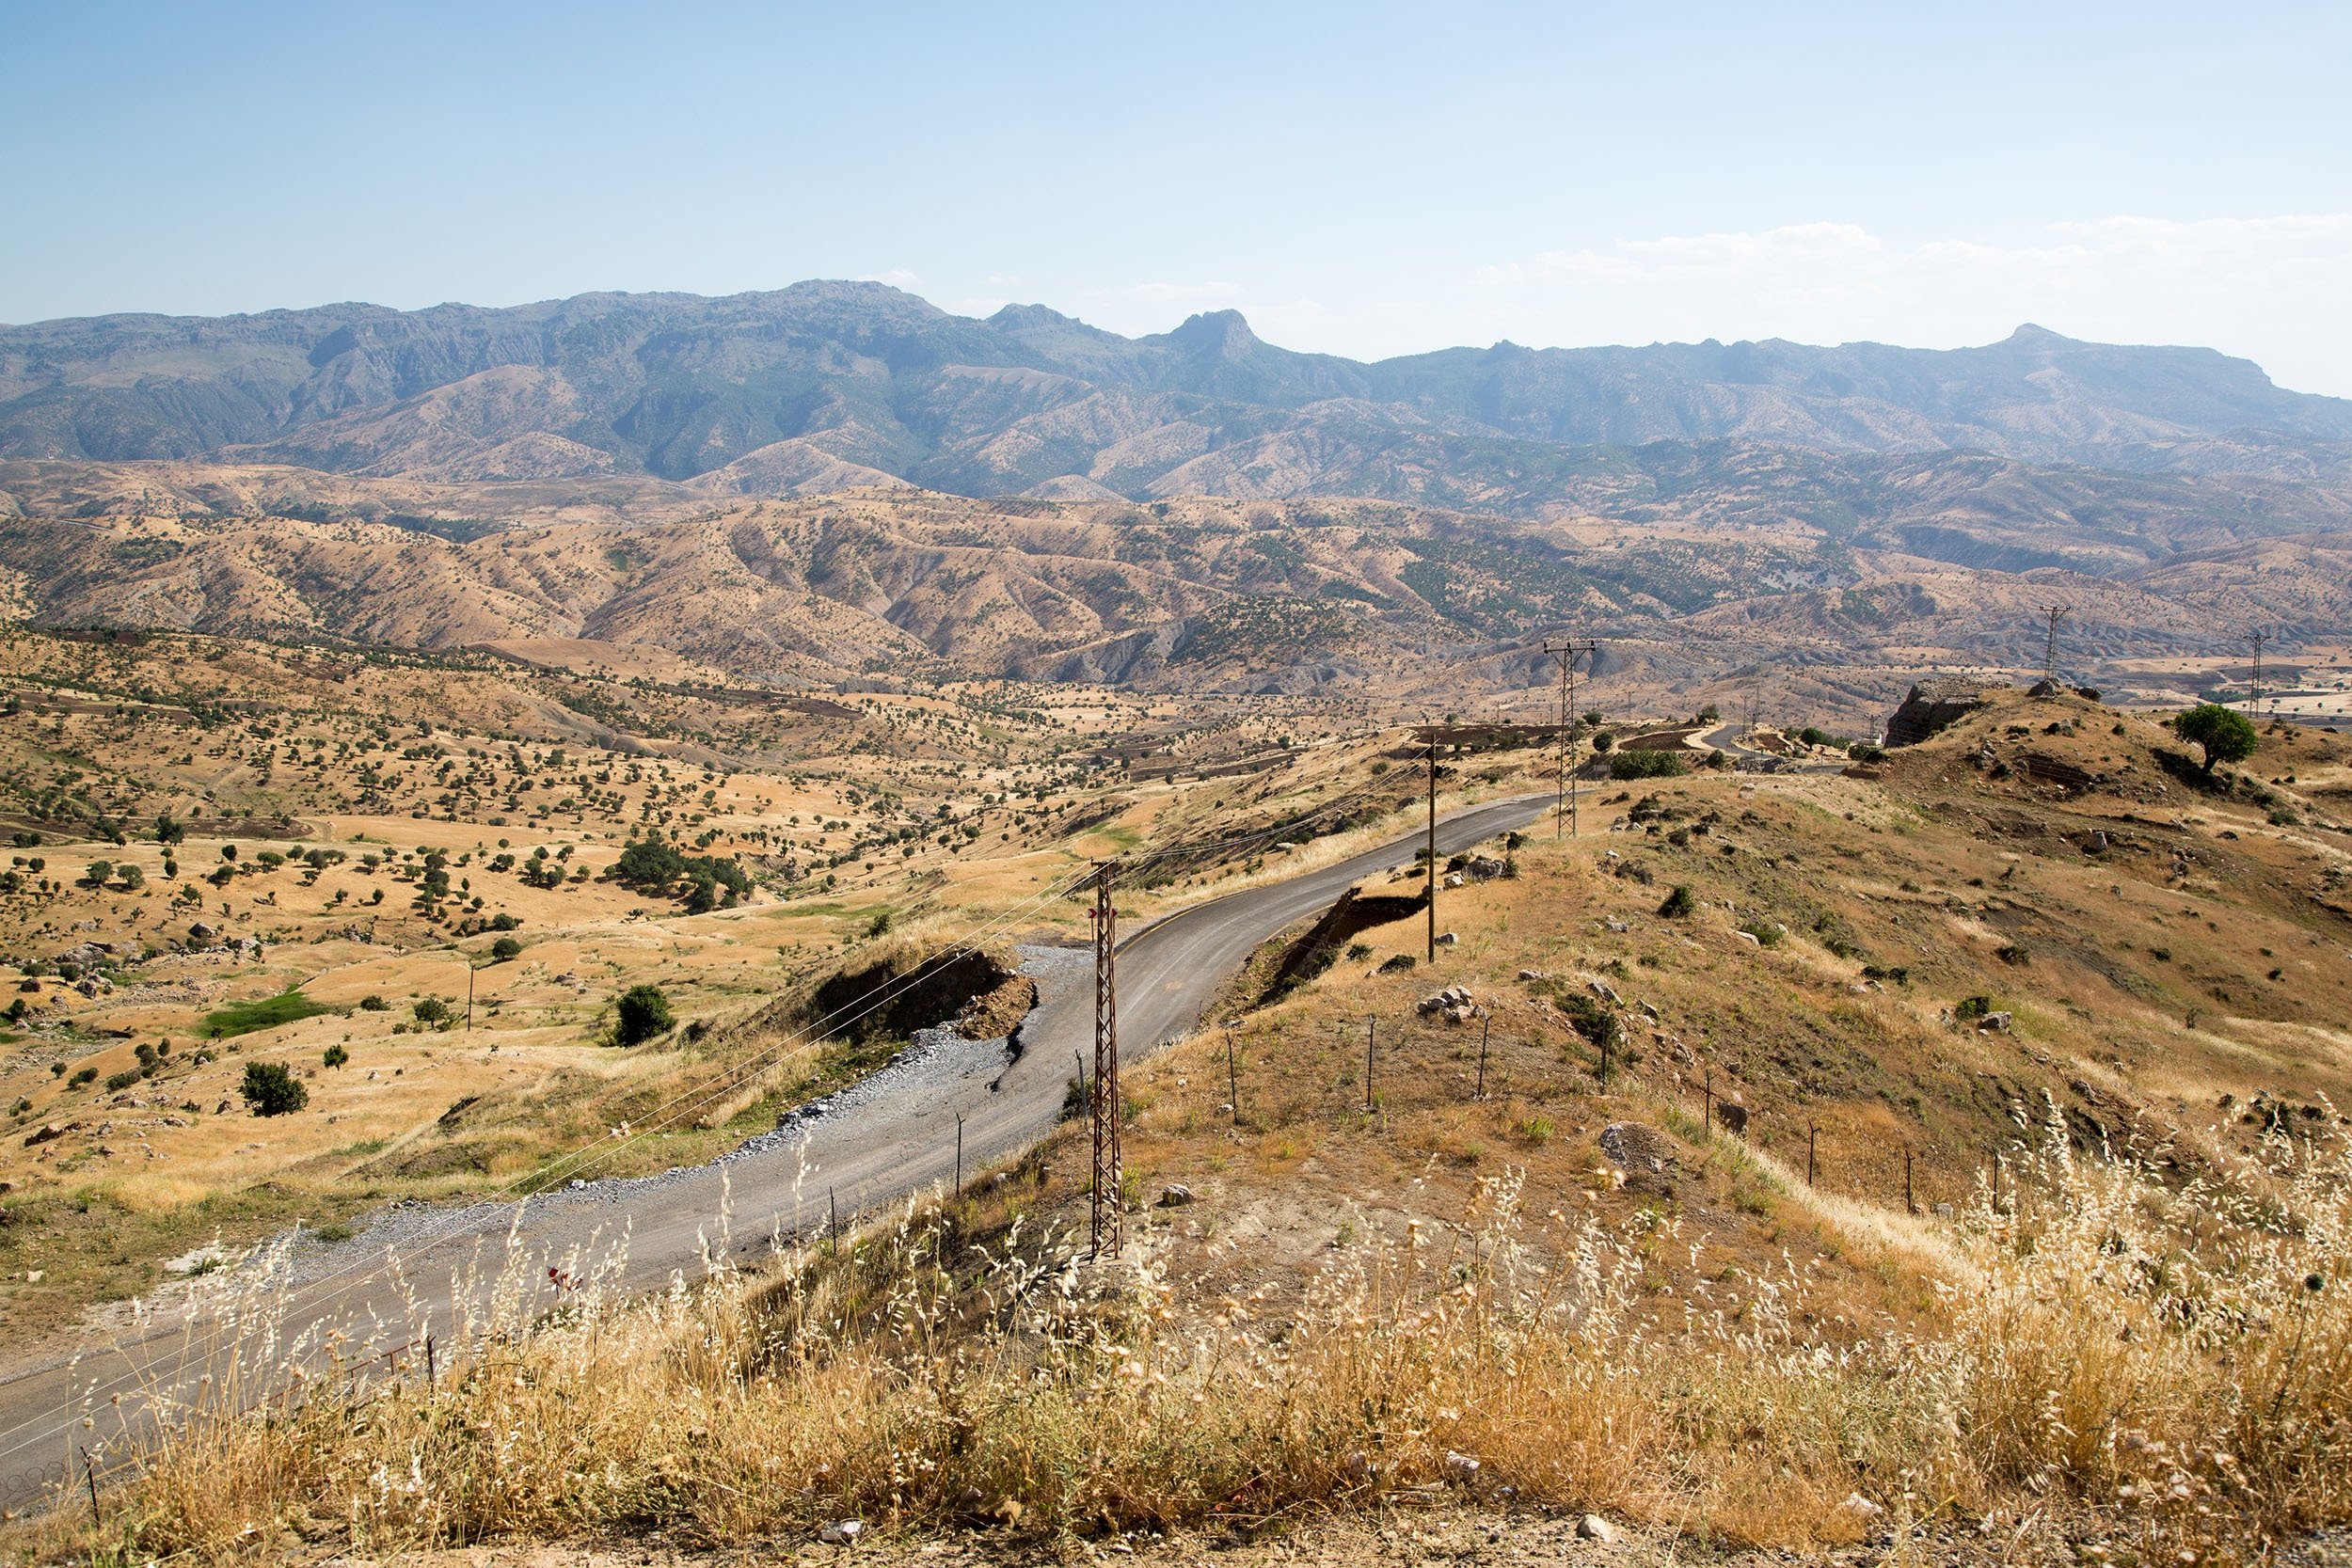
(1564, 804)
(2254, 702)
(2056, 612)
(1102, 1214)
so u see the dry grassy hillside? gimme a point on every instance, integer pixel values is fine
(1624, 1223)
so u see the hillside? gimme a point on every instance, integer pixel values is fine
(1711, 573)
(830, 384)
(1791, 1150)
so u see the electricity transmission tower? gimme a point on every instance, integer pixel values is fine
(2254, 698)
(1103, 1214)
(2056, 612)
(1564, 790)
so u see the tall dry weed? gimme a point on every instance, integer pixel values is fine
(2173, 1360)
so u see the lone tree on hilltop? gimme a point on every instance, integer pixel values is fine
(2224, 733)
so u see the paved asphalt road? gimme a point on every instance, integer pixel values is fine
(866, 1157)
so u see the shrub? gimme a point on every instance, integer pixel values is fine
(504, 922)
(272, 1090)
(1678, 903)
(641, 1013)
(124, 1079)
(430, 1010)
(335, 1055)
(505, 949)
(84, 1075)
(374, 1003)
(1648, 764)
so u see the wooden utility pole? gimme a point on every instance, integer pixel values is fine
(1370, 1025)
(1808, 1153)
(2254, 701)
(1433, 853)
(1102, 1215)
(1233, 1075)
(1486, 1027)
(1564, 804)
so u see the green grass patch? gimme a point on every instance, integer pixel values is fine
(263, 1012)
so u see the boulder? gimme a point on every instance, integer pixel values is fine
(1733, 1116)
(1594, 1528)
(1993, 1023)
(1175, 1196)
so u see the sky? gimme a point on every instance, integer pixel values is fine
(1361, 180)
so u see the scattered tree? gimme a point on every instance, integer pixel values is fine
(2223, 732)
(272, 1090)
(641, 1013)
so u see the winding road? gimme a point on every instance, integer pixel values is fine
(897, 1141)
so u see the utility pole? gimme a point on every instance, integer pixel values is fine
(1433, 853)
(2255, 703)
(2056, 612)
(1103, 1109)
(470, 996)
(1233, 1074)
(1564, 804)
(1370, 1025)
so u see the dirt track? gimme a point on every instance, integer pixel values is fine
(879, 1154)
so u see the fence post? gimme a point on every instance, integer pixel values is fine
(1808, 1153)
(1371, 1025)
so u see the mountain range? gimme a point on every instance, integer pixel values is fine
(826, 386)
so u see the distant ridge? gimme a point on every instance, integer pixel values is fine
(829, 384)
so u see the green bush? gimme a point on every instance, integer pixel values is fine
(272, 1090)
(1678, 903)
(1648, 764)
(641, 1013)
(505, 948)
(336, 1056)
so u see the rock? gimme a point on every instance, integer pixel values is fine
(1175, 1196)
(1860, 1506)
(1733, 1115)
(1647, 1008)
(1452, 879)
(1941, 1210)
(42, 1134)
(1602, 990)
(842, 1532)
(1993, 1023)
(1533, 975)
(1010, 1511)
(202, 932)
(1594, 1528)
(1750, 938)
(1480, 868)
(1459, 1467)
(1447, 939)
(1358, 1468)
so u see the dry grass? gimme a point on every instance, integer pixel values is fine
(2175, 1364)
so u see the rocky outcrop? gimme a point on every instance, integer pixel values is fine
(1933, 706)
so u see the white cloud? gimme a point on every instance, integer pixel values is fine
(897, 277)
(2266, 287)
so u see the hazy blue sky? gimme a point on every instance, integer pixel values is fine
(1357, 179)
